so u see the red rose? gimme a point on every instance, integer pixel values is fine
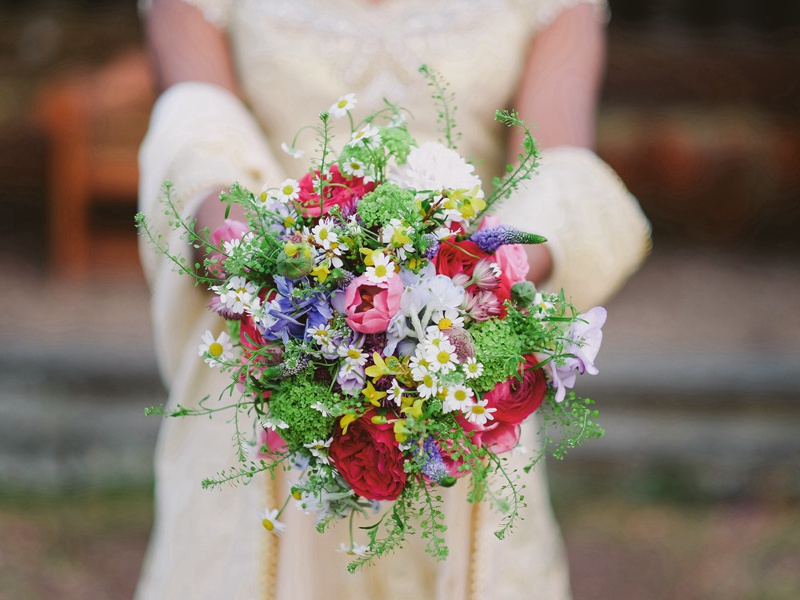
(456, 257)
(369, 459)
(342, 192)
(515, 398)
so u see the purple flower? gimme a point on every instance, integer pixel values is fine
(294, 315)
(351, 379)
(585, 335)
(491, 238)
(432, 247)
(433, 466)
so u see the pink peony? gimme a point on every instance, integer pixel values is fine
(370, 306)
(515, 399)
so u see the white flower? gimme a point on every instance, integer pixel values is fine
(367, 132)
(395, 393)
(319, 406)
(458, 398)
(443, 358)
(433, 166)
(354, 550)
(274, 424)
(269, 519)
(288, 190)
(472, 368)
(428, 386)
(323, 233)
(352, 355)
(216, 351)
(478, 413)
(321, 335)
(354, 168)
(420, 365)
(447, 319)
(291, 150)
(238, 294)
(344, 104)
(382, 268)
(319, 449)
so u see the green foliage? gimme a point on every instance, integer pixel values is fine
(398, 141)
(444, 100)
(498, 348)
(291, 403)
(568, 424)
(387, 202)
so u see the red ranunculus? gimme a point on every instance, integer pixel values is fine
(515, 398)
(369, 459)
(342, 192)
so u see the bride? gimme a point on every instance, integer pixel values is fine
(240, 78)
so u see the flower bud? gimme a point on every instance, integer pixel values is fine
(523, 293)
(296, 266)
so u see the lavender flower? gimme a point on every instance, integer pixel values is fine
(491, 238)
(433, 466)
(432, 247)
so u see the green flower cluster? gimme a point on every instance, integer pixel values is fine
(498, 349)
(397, 141)
(387, 202)
(292, 405)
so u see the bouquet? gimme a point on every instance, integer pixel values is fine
(382, 341)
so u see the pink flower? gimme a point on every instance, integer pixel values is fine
(516, 398)
(231, 230)
(370, 306)
(511, 258)
(343, 192)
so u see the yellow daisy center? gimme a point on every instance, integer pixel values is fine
(445, 323)
(353, 354)
(380, 271)
(478, 409)
(215, 349)
(323, 234)
(268, 525)
(287, 190)
(460, 395)
(443, 357)
(342, 103)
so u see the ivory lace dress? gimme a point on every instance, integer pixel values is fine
(293, 59)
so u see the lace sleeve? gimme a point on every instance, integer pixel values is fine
(541, 13)
(216, 12)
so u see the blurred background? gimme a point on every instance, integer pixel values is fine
(694, 492)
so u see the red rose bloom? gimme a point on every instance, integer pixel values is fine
(368, 458)
(343, 192)
(515, 399)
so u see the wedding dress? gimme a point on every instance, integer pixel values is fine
(293, 59)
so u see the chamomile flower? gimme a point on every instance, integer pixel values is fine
(324, 234)
(478, 413)
(237, 294)
(319, 450)
(216, 351)
(443, 358)
(447, 319)
(321, 334)
(458, 397)
(344, 104)
(353, 355)
(428, 386)
(472, 368)
(366, 133)
(291, 150)
(288, 191)
(395, 393)
(420, 366)
(382, 268)
(269, 519)
(321, 408)
(354, 168)
(354, 550)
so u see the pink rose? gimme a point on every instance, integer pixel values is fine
(515, 398)
(369, 459)
(370, 306)
(511, 258)
(496, 436)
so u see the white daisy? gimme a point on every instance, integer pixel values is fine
(319, 449)
(323, 233)
(382, 268)
(321, 334)
(428, 386)
(353, 355)
(478, 413)
(472, 368)
(288, 190)
(354, 550)
(419, 365)
(269, 519)
(344, 104)
(367, 132)
(216, 351)
(238, 294)
(443, 359)
(447, 319)
(321, 408)
(395, 393)
(354, 168)
(291, 150)
(458, 397)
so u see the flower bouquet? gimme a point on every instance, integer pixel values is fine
(381, 336)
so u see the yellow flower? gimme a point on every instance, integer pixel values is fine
(346, 420)
(400, 431)
(373, 395)
(321, 272)
(415, 410)
(367, 252)
(290, 248)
